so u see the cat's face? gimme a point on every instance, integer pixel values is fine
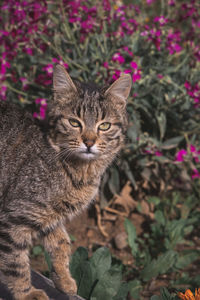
(88, 123)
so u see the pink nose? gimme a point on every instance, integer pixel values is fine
(89, 143)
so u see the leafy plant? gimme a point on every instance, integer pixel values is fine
(98, 277)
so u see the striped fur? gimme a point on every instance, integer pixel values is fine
(50, 171)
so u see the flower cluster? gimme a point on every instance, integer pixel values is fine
(193, 92)
(192, 154)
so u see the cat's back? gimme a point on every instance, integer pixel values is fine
(22, 148)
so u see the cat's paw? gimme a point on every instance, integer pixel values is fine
(36, 295)
(66, 285)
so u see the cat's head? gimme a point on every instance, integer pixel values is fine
(87, 122)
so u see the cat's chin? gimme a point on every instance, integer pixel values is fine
(87, 156)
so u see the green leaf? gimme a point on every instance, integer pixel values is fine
(48, 260)
(162, 122)
(154, 200)
(184, 260)
(100, 262)
(132, 235)
(165, 294)
(79, 256)
(84, 279)
(160, 265)
(37, 250)
(135, 286)
(159, 216)
(172, 143)
(122, 292)
(107, 287)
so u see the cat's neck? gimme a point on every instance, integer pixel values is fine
(86, 170)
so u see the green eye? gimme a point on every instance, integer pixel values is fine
(74, 123)
(104, 126)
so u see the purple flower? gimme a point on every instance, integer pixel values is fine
(24, 82)
(3, 89)
(134, 65)
(195, 174)
(43, 108)
(116, 75)
(180, 155)
(118, 57)
(158, 153)
(49, 69)
(161, 20)
(192, 148)
(105, 65)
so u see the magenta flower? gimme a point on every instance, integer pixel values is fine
(192, 148)
(173, 39)
(134, 65)
(195, 174)
(43, 108)
(3, 89)
(116, 75)
(180, 155)
(118, 57)
(4, 64)
(161, 20)
(158, 153)
(61, 62)
(150, 1)
(126, 49)
(105, 65)
(49, 69)
(24, 82)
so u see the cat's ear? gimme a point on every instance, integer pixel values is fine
(62, 81)
(119, 90)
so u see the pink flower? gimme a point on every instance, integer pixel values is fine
(105, 64)
(118, 57)
(61, 62)
(126, 49)
(116, 75)
(192, 148)
(136, 75)
(195, 174)
(173, 40)
(180, 155)
(150, 1)
(134, 65)
(158, 153)
(24, 82)
(3, 89)
(161, 20)
(49, 69)
(43, 108)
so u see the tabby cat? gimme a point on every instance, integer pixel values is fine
(50, 170)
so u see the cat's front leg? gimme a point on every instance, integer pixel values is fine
(57, 243)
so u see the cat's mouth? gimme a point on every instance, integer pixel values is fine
(88, 153)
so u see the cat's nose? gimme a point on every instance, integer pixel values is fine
(89, 143)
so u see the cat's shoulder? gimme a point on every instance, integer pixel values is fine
(11, 113)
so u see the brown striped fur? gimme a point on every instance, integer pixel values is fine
(50, 171)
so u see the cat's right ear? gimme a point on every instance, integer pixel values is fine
(62, 82)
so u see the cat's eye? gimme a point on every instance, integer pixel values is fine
(104, 126)
(74, 123)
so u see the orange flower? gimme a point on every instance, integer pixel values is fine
(189, 295)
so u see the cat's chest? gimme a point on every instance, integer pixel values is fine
(75, 191)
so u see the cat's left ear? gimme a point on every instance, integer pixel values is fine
(62, 81)
(119, 90)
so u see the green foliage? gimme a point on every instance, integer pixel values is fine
(98, 277)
